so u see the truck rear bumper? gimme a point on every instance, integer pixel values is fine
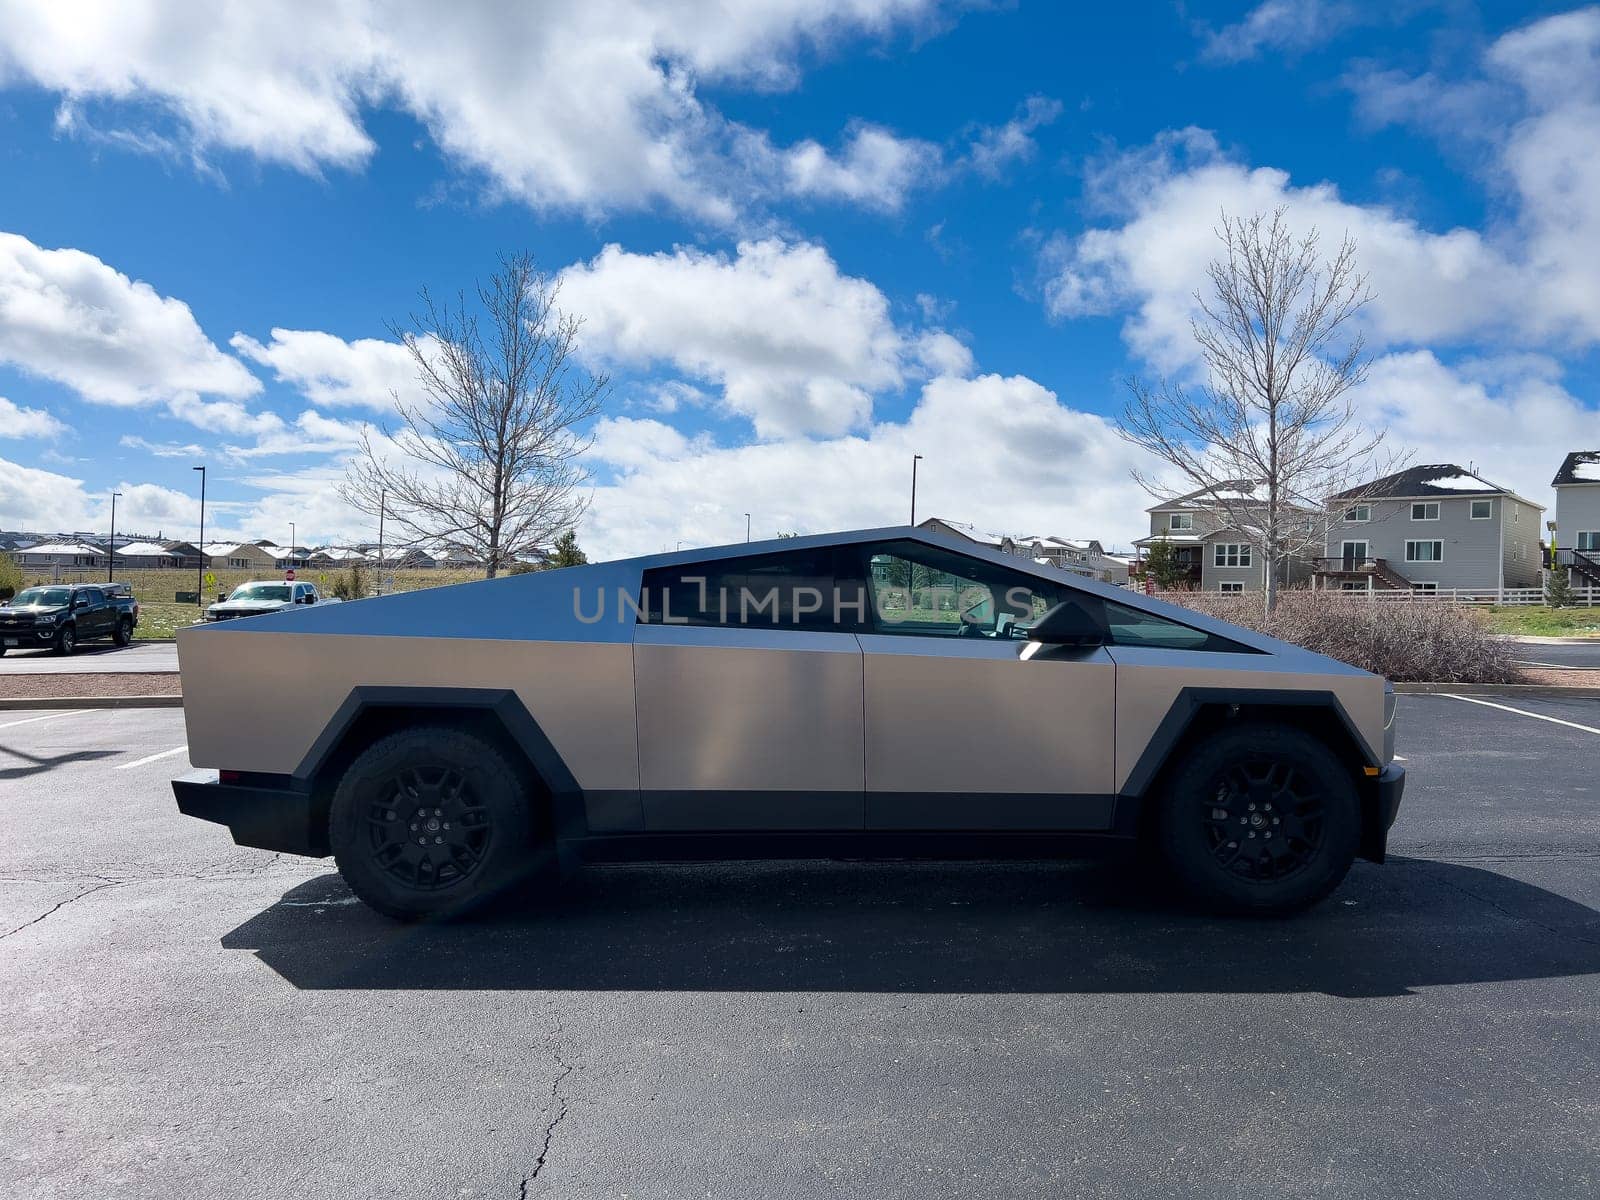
(281, 818)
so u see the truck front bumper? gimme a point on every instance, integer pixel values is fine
(272, 813)
(1383, 805)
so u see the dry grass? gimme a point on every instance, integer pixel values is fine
(1411, 643)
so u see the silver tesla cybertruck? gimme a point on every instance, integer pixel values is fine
(887, 692)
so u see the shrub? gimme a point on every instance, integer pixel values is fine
(10, 577)
(351, 584)
(1429, 641)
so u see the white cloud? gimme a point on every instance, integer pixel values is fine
(1509, 415)
(993, 148)
(876, 169)
(310, 433)
(1041, 465)
(591, 106)
(18, 422)
(327, 370)
(796, 346)
(67, 316)
(1429, 286)
(31, 498)
(1284, 25)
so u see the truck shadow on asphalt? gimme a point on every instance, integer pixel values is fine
(936, 927)
(37, 765)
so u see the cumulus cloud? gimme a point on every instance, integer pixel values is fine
(994, 148)
(329, 371)
(68, 317)
(19, 422)
(875, 169)
(31, 498)
(1042, 465)
(796, 346)
(592, 106)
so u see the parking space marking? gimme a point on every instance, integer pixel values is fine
(71, 712)
(150, 758)
(1521, 712)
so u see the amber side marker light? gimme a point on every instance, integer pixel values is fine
(1371, 770)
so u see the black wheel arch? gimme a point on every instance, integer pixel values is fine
(498, 716)
(1197, 712)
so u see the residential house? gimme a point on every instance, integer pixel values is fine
(1431, 527)
(1576, 541)
(238, 556)
(60, 554)
(1079, 558)
(186, 555)
(337, 556)
(146, 554)
(1212, 554)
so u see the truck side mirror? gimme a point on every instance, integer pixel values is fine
(1071, 623)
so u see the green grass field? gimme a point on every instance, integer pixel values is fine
(160, 615)
(1539, 621)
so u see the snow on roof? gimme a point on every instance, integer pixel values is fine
(1459, 483)
(1589, 472)
(65, 548)
(144, 550)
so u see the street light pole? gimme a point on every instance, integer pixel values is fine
(111, 567)
(291, 545)
(200, 567)
(383, 494)
(915, 459)
(747, 527)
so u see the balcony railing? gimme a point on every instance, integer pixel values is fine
(1351, 564)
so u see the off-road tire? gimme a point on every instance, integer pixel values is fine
(66, 641)
(124, 632)
(1259, 818)
(431, 823)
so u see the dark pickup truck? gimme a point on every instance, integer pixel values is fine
(60, 615)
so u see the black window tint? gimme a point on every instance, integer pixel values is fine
(1135, 627)
(791, 590)
(928, 591)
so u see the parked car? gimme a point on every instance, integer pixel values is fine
(265, 596)
(890, 691)
(61, 615)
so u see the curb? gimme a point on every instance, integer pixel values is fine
(1496, 689)
(17, 702)
(1531, 640)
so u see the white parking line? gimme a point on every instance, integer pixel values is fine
(70, 712)
(1521, 712)
(150, 758)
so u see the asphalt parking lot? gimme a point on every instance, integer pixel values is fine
(186, 1018)
(93, 658)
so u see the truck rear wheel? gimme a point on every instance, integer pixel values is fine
(124, 633)
(1261, 818)
(431, 822)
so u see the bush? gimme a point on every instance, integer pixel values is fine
(1420, 641)
(351, 584)
(10, 577)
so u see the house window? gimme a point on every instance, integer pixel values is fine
(1180, 522)
(1427, 511)
(1230, 587)
(1427, 588)
(1482, 510)
(1424, 551)
(1589, 540)
(1231, 554)
(1358, 513)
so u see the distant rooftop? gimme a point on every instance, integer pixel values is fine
(1581, 466)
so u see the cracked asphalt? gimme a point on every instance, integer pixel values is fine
(185, 1018)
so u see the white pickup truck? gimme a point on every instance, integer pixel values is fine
(252, 599)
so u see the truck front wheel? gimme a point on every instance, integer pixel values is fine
(431, 822)
(66, 641)
(1260, 818)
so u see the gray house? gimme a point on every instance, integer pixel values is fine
(1577, 537)
(1213, 555)
(1431, 528)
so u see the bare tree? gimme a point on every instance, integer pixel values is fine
(1272, 431)
(489, 460)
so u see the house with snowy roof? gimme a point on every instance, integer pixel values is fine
(1202, 533)
(1577, 537)
(1430, 528)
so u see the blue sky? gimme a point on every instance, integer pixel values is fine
(808, 240)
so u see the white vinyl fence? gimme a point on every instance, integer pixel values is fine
(1512, 597)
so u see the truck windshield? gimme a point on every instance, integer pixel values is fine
(261, 591)
(42, 597)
